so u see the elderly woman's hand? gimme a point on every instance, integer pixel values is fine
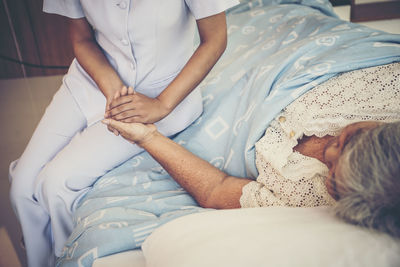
(136, 133)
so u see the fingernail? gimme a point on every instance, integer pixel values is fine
(106, 121)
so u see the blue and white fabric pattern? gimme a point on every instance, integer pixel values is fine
(277, 51)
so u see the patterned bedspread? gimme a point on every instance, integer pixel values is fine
(277, 51)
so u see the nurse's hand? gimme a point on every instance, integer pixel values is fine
(114, 94)
(136, 133)
(136, 107)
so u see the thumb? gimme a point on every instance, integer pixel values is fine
(108, 104)
(117, 94)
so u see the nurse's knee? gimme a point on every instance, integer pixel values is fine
(21, 185)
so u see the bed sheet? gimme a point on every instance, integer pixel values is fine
(277, 51)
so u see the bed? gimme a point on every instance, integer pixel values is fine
(136, 215)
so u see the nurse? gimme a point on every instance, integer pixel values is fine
(143, 44)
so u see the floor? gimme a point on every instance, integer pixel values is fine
(391, 26)
(22, 102)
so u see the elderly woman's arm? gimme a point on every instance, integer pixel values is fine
(210, 187)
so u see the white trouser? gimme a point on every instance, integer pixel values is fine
(62, 160)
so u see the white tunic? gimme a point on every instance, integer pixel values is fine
(288, 178)
(146, 41)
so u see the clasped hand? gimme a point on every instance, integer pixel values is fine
(130, 106)
(135, 133)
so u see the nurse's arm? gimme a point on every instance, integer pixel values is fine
(92, 59)
(213, 41)
(210, 187)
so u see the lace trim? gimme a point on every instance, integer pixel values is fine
(272, 189)
(366, 94)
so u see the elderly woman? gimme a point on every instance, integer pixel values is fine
(345, 151)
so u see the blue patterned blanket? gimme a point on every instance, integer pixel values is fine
(277, 51)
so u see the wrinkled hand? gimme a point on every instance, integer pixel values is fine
(131, 106)
(136, 133)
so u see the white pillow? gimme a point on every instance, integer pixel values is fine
(268, 237)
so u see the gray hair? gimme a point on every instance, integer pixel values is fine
(370, 180)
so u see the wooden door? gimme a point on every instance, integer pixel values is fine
(29, 35)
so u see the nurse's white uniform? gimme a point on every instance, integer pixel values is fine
(147, 42)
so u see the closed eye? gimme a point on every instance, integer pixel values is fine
(336, 143)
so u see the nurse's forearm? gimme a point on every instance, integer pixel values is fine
(92, 58)
(213, 40)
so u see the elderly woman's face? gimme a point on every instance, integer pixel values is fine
(334, 149)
